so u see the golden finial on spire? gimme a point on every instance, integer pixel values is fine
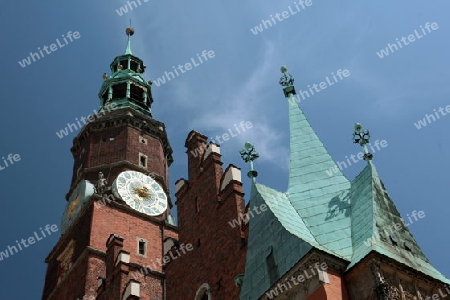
(129, 31)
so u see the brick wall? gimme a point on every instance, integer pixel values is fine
(335, 290)
(98, 145)
(90, 235)
(203, 213)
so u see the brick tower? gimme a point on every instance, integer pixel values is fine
(118, 211)
(207, 205)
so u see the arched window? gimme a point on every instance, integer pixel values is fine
(203, 292)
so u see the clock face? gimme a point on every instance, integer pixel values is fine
(80, 195)
(140, 192)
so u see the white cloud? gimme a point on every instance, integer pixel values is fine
(244, 103)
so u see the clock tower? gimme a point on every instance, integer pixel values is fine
(117, 217)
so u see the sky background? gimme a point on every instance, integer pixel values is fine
(239, 84)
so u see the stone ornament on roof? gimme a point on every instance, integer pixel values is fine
(287, 79)
(249, 154)
(362, 137)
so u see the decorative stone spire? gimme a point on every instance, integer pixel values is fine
(249, 154)
(362, 138)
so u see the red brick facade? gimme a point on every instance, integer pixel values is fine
(205, 205)
(98, 257)
(335, 289)
(90, 259)
(114, 142)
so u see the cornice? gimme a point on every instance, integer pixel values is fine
(125, 117)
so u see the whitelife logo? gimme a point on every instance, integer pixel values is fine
(11, 158)
(280, 17)
(124, 9)
(187, 67)
(388, 230)
(283, 287)
(430, 118)
(244, 218)
(342, 74)
(243, 125)
(31, 240)
(73, 127)
(411, 38)
(360, 156)
(162, 262)
(53, 47)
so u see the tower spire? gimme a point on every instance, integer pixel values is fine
(126, 86)
(129, 31)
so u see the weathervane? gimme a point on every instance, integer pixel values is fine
(362, 137)
(249, 154)
(287, 80)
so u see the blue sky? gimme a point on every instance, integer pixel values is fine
(240, 83)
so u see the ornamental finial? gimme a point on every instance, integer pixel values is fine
(362, 137)
(129, 31)
(288, 82)
(287, 79)
(249, 154)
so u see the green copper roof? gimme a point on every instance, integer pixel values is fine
(321, 200)
(128, 74)
(326, 212)
(314, 212)
(268, 234)
(374, 226)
